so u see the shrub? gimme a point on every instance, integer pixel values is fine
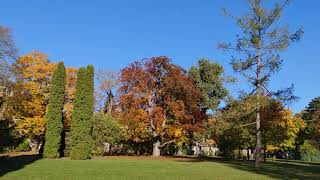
(23, 146)
(106, 129)
(310, 151)
(228, 143)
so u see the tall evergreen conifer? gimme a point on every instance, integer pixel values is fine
(257, 53)
(81, 127)
(54, 116)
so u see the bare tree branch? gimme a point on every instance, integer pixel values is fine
(169, 142)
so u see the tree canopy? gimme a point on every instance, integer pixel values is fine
(159, 101)
(207, 77)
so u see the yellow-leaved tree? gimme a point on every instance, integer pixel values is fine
(280, 127)
(34, 73)
(70, 95)
(33, 85)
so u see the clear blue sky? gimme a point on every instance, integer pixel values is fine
(112, 33)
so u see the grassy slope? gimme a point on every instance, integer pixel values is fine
(148, 168)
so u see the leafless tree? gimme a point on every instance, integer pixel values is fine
(107, 82)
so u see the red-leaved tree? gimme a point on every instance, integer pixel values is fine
(159, 102)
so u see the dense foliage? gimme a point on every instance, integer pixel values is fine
(81, 126)
(107, 131)
(160, 104)
(54, 116)
(34, 73)
(279, 127)
(207, 77)
(23, 146)
(310, 151)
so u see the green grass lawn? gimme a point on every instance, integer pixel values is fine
(140, 168)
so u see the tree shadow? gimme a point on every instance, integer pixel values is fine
(281, 170)
(14, 163)
(277, 169)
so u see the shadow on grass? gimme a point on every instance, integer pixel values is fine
(277, 169)
(13, 163)
(300, 162)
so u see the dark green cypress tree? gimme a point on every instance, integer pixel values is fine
(54, 116)
(81, 127)
(90, 86)
(88, 123)
(78, 116)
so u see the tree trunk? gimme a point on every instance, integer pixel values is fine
(197, 150)
(258, 141)
(139, 149)
(156, 149)
(258, 132)
(248, 155)
(35, 146)
(265, 154)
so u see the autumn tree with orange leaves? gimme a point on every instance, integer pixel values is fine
(31, 94)
(34, 80)
(70, 95)
(158, 102)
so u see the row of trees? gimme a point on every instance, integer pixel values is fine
(82, 116)
(154, 105)
(157, 102)
(181, 116)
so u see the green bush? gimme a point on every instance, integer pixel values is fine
(106, 129)
(23, 146)
(186, 150)
(228, 143)
(310, 151)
